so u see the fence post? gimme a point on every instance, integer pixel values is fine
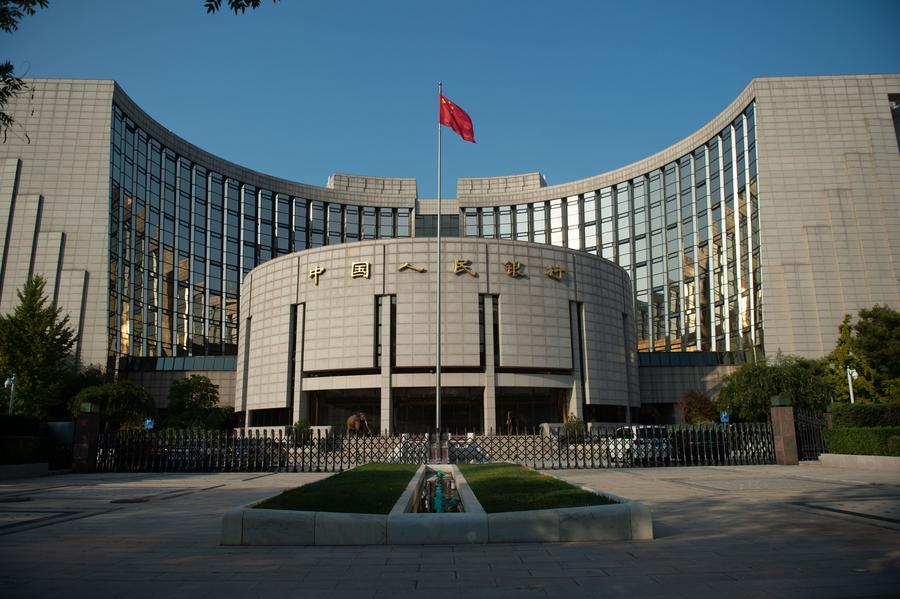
(784, 434)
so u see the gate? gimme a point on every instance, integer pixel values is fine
(277, 451)
(810, 441)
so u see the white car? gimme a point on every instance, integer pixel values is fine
(642, 444)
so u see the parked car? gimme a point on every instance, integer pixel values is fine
(641, 444)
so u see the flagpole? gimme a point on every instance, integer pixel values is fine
(438, 270)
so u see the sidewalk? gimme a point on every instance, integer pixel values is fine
(751, 531)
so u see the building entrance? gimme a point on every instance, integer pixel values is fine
(462, 409)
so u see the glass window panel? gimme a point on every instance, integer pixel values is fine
(386, 223)
(556, 223)
(300, 224)
(505, 222)
(487, 222)
(335, 224)
(369, 223)
(539, 220)
(351, 218)
(522, 229)
(471, 216)
(403, 222)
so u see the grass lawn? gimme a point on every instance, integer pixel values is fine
(514, 488)
(369, 489)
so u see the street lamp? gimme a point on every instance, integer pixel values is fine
(11, 385)
(852, 375)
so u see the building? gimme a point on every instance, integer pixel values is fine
(755, 234)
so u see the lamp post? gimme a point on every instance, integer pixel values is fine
(852, 375)
(11, 385)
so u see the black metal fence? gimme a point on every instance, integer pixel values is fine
(274, 451)
(810, 441)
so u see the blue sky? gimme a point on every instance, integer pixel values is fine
(300, 89)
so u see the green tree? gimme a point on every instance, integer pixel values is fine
(238, 6)
(194, 403)
(35, 345)
(11, 11)
(123, 404)
(878, 339)
(746, 393)
(699, 407)
(847, 353)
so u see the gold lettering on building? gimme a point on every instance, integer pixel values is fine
(514, 269)
(359, 270)
(408, 266)
(461, 265)
(315, 273)
(555, 272)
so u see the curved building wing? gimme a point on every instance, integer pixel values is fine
(755, 234)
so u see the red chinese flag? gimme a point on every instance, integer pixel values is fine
(456, 118)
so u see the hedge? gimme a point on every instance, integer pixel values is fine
(863, 441)
(19, 426)
(24, 450)
(866, 414)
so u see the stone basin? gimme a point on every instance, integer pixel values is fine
(624, 521)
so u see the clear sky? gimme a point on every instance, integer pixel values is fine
(300, 89)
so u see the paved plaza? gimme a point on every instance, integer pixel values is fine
(751, 531)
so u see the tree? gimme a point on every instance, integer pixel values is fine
(11, 11)
(846, 353)
(35, 346)
(746, 393)
(878, 339)
(238, 6)
(194, 403)
(698, 407)
(123, 404)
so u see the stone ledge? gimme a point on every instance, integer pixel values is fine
(624, 521)
(865, 462)
(629, 521)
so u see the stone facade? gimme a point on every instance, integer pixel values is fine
(821, 225)
(310, 332)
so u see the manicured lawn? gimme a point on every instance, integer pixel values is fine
(513, 488)
(369, 489)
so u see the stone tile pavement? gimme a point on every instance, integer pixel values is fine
(752, 531)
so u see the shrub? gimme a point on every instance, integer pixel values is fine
(862, 441)
(866, 415)
(575, 427)
(699, 407)
(893, 445)
(24, 450)
(19, 425)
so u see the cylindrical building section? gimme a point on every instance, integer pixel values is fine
(531, 334)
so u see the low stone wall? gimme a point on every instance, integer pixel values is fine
(864, 462)
(625, 521)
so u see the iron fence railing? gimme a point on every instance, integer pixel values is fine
(274, 451)
(810, 440)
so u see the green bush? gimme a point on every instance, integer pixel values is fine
(866, 415)
(19, 425)
(893, 445)
(863, 441)
(23, 450)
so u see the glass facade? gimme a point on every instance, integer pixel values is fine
(183, 236)
(687, 233)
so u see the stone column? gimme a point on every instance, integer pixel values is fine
(576, 391)
(301, 398)
(385, 424)
(783, 431)
(490, 373)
